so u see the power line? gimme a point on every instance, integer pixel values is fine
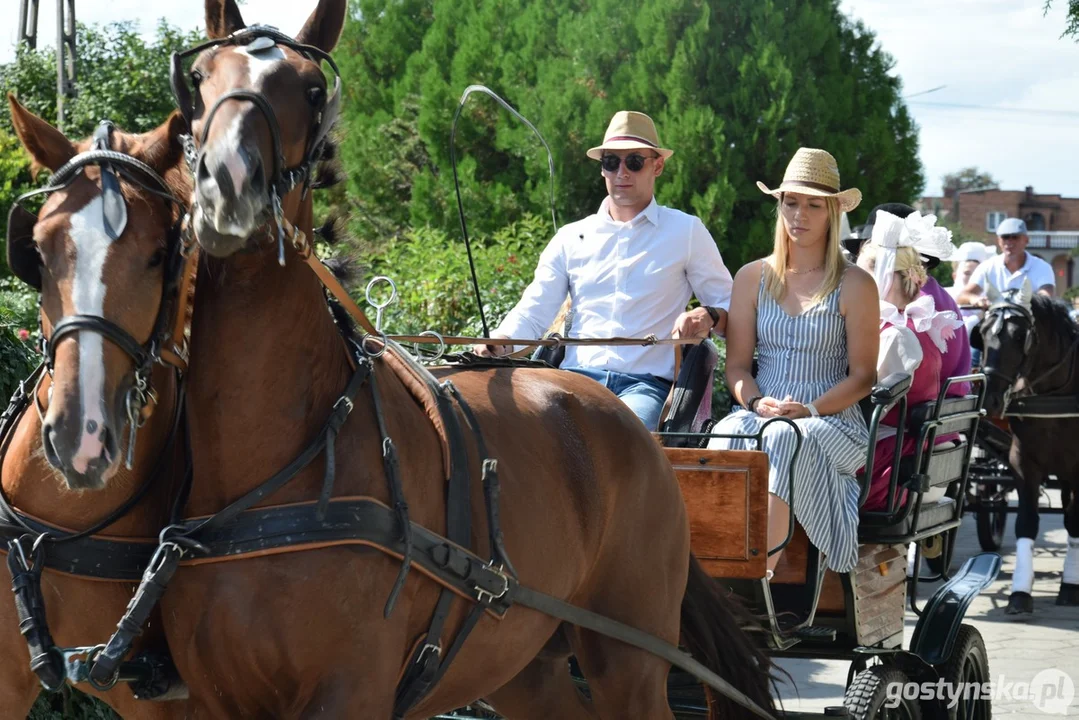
(925, 92)
(990, 108)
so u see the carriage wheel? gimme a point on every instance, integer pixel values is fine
(868, 695)
(991, 523)
(968, 665)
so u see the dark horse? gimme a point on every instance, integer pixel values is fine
(1030, 348)
(591, 509)
(63, 462)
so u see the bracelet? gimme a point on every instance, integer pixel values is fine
(712, 313)
(752, 404)
(812, 409)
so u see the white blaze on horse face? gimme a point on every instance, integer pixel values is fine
(92, 245)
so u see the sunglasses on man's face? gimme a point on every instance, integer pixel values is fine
(1010, 237)
(634, 162)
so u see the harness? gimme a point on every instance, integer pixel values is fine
(1058, 402)
(241, 530)
(28, 538)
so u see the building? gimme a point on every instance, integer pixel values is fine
(1052, 222)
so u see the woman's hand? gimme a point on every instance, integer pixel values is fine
(769, 407)
(793, 410)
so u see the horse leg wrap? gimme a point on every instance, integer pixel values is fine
(1023, 577)
(1071, 562)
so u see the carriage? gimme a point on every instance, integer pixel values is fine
(810, 611)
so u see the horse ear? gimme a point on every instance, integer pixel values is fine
(323, 28)
(47, 146)
(1026, 292)
(992, 293)
(222, 18)
(162, 147)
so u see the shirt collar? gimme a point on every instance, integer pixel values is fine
(650, 213)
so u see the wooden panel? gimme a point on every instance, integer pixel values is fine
(726, 496)
(879, 582)
(831, 594)
(791, 567)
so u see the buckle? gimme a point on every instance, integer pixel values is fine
(344, 402)
(500, 572)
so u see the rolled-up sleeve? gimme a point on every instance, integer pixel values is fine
(543, 297)
(708, 276)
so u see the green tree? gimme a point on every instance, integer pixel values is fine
(121, 78)
(734, 87)
(968, 178)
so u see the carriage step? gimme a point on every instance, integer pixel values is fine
(815, 633)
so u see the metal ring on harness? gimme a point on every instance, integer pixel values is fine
(441, 346)
(109, 684)
(379, 307)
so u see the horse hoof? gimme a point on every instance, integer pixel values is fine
(1020, 603)
(1068, 595)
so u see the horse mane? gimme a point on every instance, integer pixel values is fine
(1055, 314)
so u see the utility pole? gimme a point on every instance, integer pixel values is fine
(65, 56)
(65, 46)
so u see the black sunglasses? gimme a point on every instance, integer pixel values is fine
(634, 162)
(1010, 237)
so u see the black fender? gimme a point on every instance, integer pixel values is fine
(934, 635)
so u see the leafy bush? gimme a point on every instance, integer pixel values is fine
(51, 706)
(434, 284)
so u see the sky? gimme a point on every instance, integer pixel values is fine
(1006, 57)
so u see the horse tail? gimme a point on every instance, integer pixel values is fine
(714, 630)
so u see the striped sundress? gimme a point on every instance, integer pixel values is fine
(804, 356)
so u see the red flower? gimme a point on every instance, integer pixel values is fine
(24, 334)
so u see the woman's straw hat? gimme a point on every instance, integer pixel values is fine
(630, 130)
(815, 172)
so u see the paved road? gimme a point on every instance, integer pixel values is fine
(1018, 650)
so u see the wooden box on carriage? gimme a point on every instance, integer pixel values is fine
(726, 496)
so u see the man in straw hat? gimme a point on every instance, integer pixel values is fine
(630, 270)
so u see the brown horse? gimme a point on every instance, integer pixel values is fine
(591, 509)
(79, 436)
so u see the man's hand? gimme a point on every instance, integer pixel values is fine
(492, 350)
(697, 323)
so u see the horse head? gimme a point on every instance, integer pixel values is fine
(103, 251)
(260, 109)
(1006, 336)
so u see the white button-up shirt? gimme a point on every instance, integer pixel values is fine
(994, 272)
(628, 279)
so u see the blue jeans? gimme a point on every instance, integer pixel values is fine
(644, 394)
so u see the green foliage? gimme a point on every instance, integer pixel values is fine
(120, 78)
(14, 179)
(968, 178)
(18, 323)
(734, 87)
(430, 269)
(50, 706)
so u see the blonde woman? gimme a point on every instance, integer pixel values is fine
(813, 318)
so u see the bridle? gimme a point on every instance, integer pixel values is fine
(113, 165)
(1004, 310)
(283, 179)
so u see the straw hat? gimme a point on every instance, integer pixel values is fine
(630, 131)
(815, 172)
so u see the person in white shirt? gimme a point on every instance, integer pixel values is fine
(965, 261)
(1008, 270)
(630, 271)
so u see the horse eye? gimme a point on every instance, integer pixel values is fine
(316, 96)
(196, 78)
(157, 258)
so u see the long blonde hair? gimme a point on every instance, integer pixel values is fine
(908, 264)
(835, 264)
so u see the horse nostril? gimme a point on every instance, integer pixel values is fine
(48, 440)
(258, 178)
(108, 443)
(203, 171)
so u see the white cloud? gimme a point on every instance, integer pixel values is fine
(996, 53)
